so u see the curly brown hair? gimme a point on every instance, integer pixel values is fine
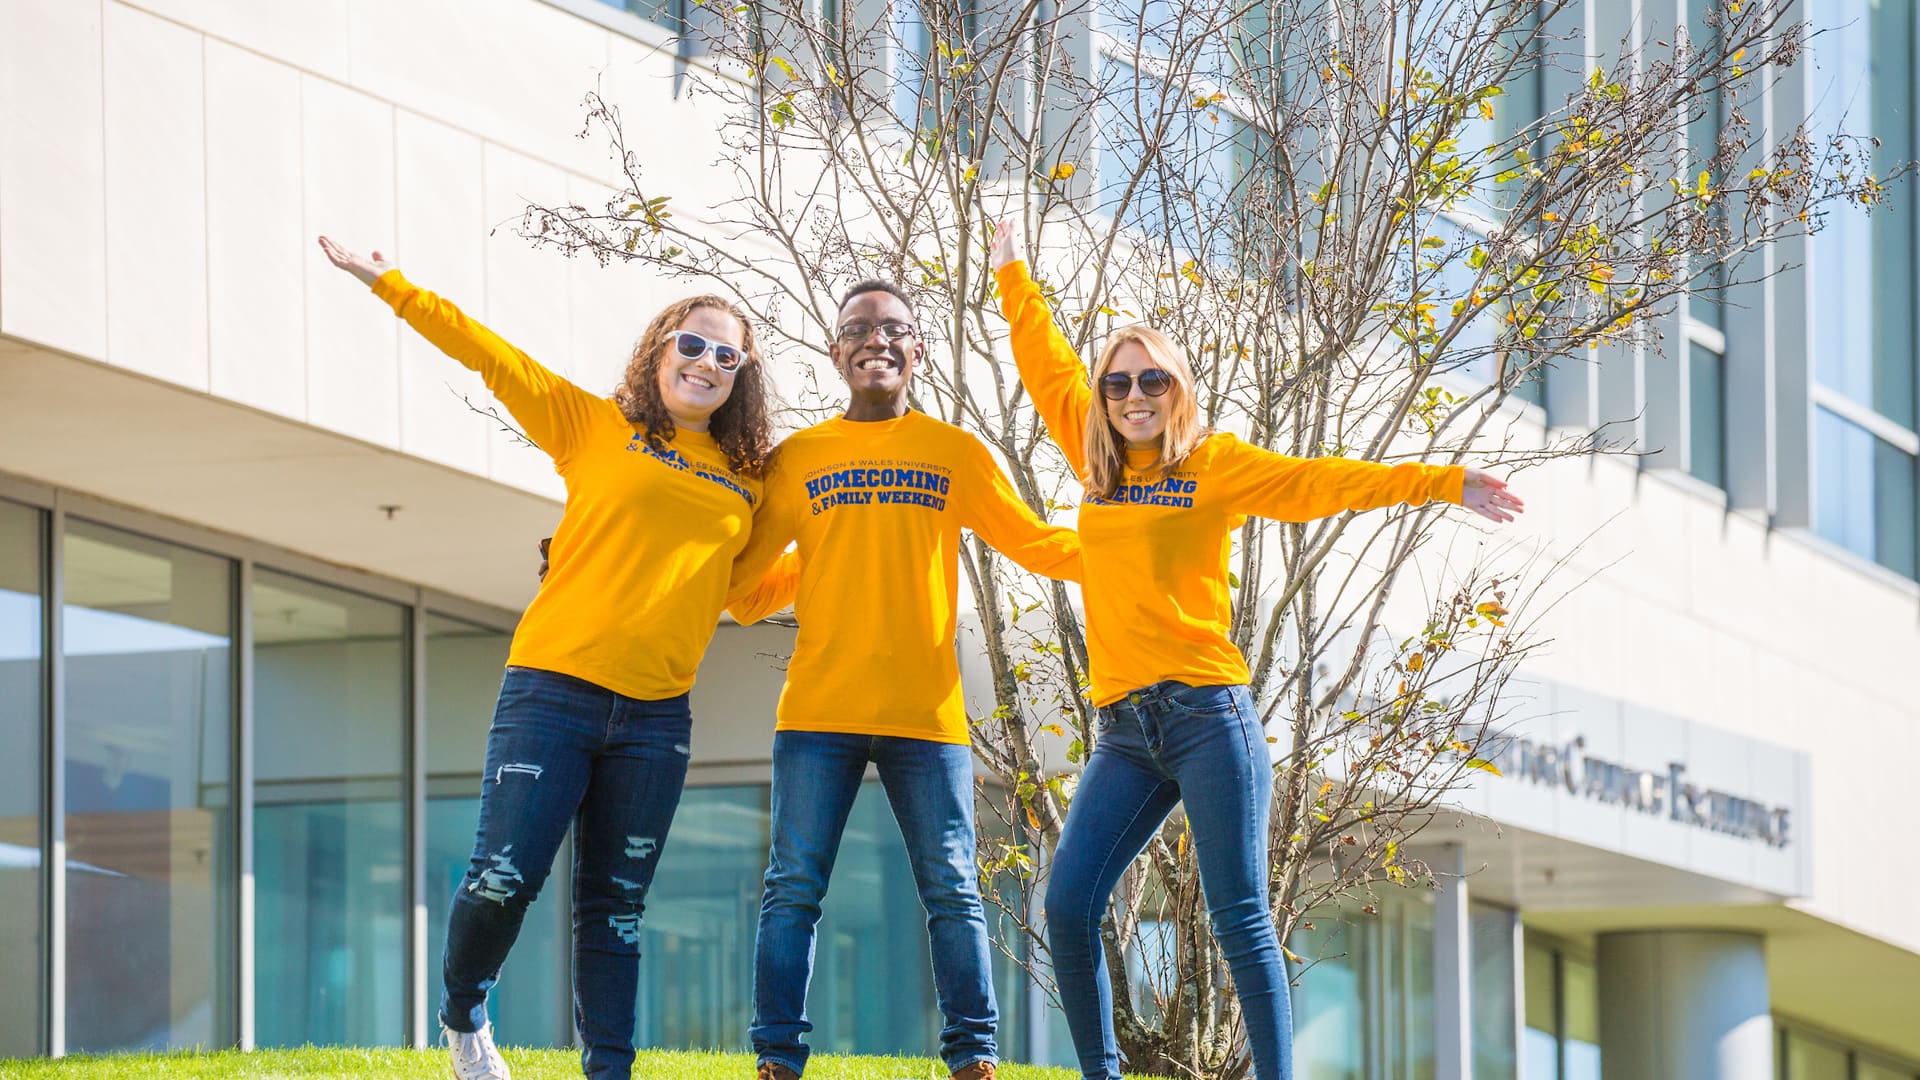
(740, 426)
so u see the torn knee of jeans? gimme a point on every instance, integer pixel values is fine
(499, 882)
(640, 847)
(627, 927)
(683, 749)
(519, 768)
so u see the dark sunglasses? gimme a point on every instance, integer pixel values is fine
(889, 331)
(1116, 385)
(692, 346)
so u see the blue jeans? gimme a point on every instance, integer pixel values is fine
(1158, 746)
(563, 751)
(930, 787)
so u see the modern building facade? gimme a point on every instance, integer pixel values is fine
(260, 562)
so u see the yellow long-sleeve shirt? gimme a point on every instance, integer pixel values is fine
(643, 558)
(1156, 552)
(877, 509)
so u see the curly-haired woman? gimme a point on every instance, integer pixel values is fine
(1177, 724)
(592, 727)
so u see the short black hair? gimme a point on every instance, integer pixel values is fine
(877, 285)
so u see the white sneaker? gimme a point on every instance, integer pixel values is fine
(474, 1055)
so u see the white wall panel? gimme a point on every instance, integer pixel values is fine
(510, 70)
(156, 176)
(257, 242)
(53, 225)
(442, 231)
(308, 34)
(353, 378)
(527, 298)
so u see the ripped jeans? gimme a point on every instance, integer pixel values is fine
(564, 751)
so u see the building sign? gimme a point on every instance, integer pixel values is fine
(1665, 794)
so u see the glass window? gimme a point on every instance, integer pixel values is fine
(1363, 1006)
(1329, 1011)
(912, 48)
(1580, 997)
(1703, 141)
(1706, 414)
(147, 643)
(330, 719)
(22, 701)
(1864, 492)
(1867, 352)
(1868, 1069)
(1540, 1044)
(696, 978)
(529, 1006)
(1196, 157)
(665, 13)
(872, 989)
(1493, 1005)
(1809, 1058)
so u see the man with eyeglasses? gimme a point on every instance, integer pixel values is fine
(876, 499)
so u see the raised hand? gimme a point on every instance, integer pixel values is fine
(1487, 495)
(367, 270)
(1004, 250)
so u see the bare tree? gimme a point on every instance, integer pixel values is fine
(1375, 226)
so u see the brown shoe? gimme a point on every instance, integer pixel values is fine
(979, 1070)
(773, 1070)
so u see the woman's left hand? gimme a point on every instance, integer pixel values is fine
(1487, 495)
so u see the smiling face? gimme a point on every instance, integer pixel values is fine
(692, 389)
(1140, 420)
(876, 369)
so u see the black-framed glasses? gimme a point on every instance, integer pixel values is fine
(1116, 385)
(692, 346)
(889, 331)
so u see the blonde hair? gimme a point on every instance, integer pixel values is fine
(1106, 450)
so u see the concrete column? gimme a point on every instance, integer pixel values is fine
(1685, 1005)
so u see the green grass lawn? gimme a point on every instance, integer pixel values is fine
(527, 1064)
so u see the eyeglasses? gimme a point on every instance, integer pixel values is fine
(889, 331)
(692, 346)
(1116, 385)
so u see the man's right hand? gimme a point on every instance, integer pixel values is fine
(367, 270)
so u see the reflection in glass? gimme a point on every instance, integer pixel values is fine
(22, 699)
(1580, 1000)
(529, 1007)
(1540, 1044)
(147, 646)
(696, 962)
(1809, 1058)
(1491, 951)
(1868, 1069)
(1363, 1006)
(330, 716)
(872, 989)
(1864, 494)
(1706, 428)
(1864, 281)
(1329, 1020)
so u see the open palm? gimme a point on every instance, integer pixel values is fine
(367, 270)
(1487, 495)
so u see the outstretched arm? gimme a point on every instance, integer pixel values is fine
(990, 507)
(1270, 485)
(551, 410)
(1049, 368)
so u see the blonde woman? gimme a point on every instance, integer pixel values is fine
(1176, 723)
